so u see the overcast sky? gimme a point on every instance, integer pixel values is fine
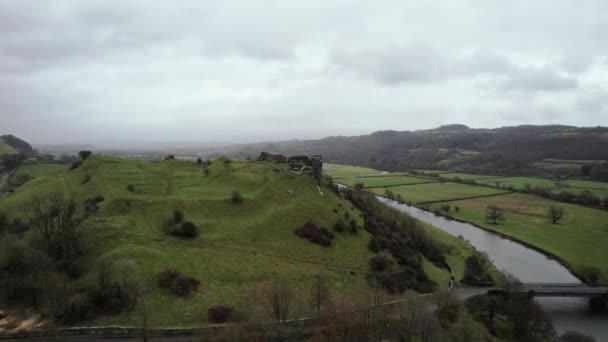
(90, 71)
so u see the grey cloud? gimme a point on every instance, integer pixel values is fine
(74, 70)
(538, 79)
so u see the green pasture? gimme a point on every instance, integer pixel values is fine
(580, 239)
(438, 191)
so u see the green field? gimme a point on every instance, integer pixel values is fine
(345, 171)
(369, 182)
(580, 239)
(463, 176)
(37, 170)
(599, 189)
(438, 191)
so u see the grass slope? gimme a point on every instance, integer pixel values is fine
(37, 170)
(241, 248)
(580, 239)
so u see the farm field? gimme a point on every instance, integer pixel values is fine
(369, 182)
(463, 176)
(438, 191)
(345, 171)
(580, 239)
(37, 170)
(599, 189)
(518, 182)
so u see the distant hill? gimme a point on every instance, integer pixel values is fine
(10, 144)
(517, 150)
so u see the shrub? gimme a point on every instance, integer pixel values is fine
(312, 233)
(236, 198)
(166, 277)
(187, 229)
(86, 179)
(374, 245)
(131, 188)
(90, 205)
(590, 274)
(227, 162)
(183, 285)
(353, 227)
(221, 314)
(75, 165)
(339, 226)
(84, 154)
(179, 284)
(379, 263)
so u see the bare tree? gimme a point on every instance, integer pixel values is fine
(280, 299)
(53, 215)
(494, 214)
(555, 214)
(508, 282)
(320, 292)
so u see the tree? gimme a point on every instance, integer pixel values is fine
(199, 161)
(281, 299)
(227, 162)
(12, 161)
(555, 214)
(53, 215)
(84, 154)
(319, 292)
(477, 267)
(508, 282)
(494, 214)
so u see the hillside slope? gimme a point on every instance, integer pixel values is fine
(241, 248)
(11, 144)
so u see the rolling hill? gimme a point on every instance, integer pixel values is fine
(10, 144)
(241, 249)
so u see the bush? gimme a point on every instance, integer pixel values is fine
(75, 165)
(84, 154)
(236, 198)
(91, 204)
(354, 229)
(339, 226)
(179, 284)
(183, 285)
(379, 263)
(131, 188)
(590, 274)
(312, 233)
(86, 179)
(187, 229)
(374, 245)
(221, 314)
(166, 277)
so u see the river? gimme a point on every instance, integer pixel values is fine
(530, 266)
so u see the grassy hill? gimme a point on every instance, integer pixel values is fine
(6, 148)
(241, 248)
